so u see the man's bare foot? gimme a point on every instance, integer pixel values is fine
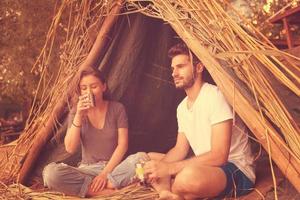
(167, 195)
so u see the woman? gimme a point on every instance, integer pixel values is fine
(101, 127)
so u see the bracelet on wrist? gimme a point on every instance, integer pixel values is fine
(77, 126)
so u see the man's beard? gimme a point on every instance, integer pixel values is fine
(190, 81)
(186, 84)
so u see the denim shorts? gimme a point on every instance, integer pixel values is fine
(238, 183)
(76, 180)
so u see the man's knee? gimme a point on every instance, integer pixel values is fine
(52, 174)
(185, 181)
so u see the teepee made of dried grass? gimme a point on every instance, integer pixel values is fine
(238, 62)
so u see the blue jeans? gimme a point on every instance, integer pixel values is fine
(76, 180)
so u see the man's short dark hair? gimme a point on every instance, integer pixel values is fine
(182, 48)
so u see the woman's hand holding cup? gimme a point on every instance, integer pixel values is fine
(84, 103)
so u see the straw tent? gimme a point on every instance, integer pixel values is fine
(129, 40)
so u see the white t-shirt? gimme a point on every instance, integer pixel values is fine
(210, 108)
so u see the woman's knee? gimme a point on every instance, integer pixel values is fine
(130, 162)
(124, 173)
(52, 174)
(138, 157)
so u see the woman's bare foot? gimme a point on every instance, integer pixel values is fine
(167, 195)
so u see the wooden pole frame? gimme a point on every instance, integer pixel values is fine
(288, 33)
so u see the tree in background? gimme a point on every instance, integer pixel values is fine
(258, 12)
(23, 28)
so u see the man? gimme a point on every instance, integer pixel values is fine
(222, 164)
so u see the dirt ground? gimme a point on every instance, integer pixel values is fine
(285, 191)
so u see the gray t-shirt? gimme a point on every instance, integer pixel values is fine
(99, 144)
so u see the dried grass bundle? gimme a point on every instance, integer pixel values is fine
(20, 192)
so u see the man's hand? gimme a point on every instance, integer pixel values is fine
(157, 169)
(99, 182)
